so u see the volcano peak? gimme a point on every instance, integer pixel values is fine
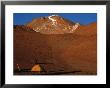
(53, 24)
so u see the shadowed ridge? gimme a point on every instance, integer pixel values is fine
(23, 28)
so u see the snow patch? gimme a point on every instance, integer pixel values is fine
(53, 20)
(75, 27)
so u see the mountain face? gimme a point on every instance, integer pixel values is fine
(53, 24)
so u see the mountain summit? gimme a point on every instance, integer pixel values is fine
(53, 24)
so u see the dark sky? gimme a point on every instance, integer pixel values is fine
(82, 18)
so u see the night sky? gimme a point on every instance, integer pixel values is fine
(82, 18)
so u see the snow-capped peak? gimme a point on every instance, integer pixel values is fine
(53, 20)
(53, 24)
